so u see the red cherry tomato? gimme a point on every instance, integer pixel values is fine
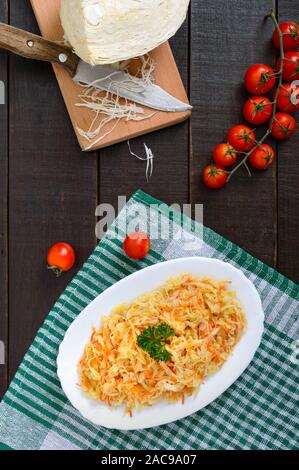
(259, 79)
(290, 71)
(137, 245)
(241, 138)
(257, 110)
(290, 31)
(284, 126)
(61, 257)
(287, 96)
(262, 157)
(225, 155)
(214, 176)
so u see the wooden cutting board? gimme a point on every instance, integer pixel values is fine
(166, 75)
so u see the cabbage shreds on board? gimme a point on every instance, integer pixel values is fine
(204, 320)
(109, 31)
(109, 109)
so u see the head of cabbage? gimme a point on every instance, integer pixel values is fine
(109, 31)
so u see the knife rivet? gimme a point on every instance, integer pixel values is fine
(63, 58)
(30, 43)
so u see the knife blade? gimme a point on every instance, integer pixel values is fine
(115, 81)
(104, 77)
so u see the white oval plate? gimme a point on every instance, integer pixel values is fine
(126, 290)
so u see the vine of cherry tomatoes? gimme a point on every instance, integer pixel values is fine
(260, 79)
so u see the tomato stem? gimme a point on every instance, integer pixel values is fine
(247, 168)
(285, 59)
(259, 143)
(55, 270)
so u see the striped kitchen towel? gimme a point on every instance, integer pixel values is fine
(259, 411)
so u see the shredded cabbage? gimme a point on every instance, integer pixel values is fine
(208, 321)
(109, 31)
(110, 109)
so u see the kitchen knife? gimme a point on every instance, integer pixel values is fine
(104, 77)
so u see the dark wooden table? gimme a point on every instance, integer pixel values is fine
(49, 189)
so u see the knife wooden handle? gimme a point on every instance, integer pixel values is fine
(35, 47)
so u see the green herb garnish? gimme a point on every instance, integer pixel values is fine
(153, 341)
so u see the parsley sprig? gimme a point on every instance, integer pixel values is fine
(153, 340)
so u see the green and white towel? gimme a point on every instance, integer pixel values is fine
(259, 411)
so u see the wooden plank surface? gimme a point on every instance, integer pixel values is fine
(227, 37)
(53, 191)
(121, 174)
(287, 189)
(3, 210)
(54, 188)
(166, 75)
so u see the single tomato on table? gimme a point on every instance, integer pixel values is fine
(136, 245)
(257, 109)
(290, 32)
(288, 94)
(259, 79)
(214, 176)
(284, 126)
(241, 138)
(224, 154)
(262, 157)
(290, 69)
(61, 257)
